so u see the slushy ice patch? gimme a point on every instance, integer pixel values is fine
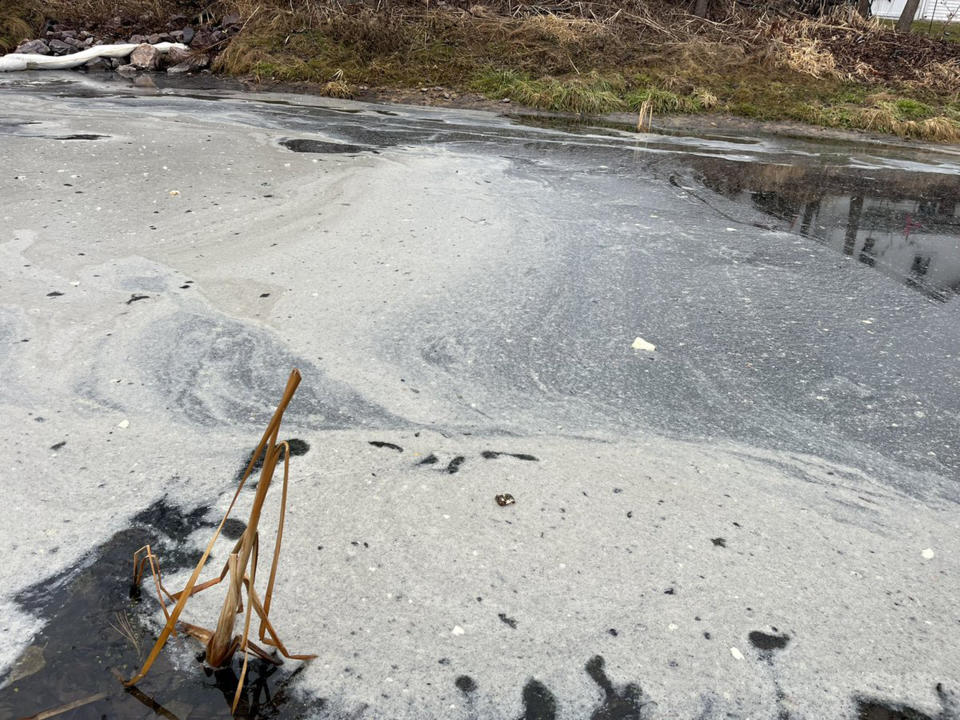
(321, 147)
(93, 631)
(220, 371)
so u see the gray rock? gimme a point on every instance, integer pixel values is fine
(177, 36)
(73, 42)
(99, 65)
(139, 39)
(195, 62)
(59, 47)
(231, 19)
(188, 34)
(116, 62)
(175, 56)
(145, 57)
(202, 39)
(68, 34)
(36, 47)
(127, 71)
(144, 81)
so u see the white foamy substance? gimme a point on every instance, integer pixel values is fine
(403, 577)
(658, 556)
(15, 627)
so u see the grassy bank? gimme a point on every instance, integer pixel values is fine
(933, 28)
(667, 61)
(839, 72)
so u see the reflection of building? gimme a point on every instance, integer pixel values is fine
(910, 239)
(904, 224)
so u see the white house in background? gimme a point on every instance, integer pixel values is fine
(944, 10)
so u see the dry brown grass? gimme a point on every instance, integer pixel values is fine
(877, 119)
(645, 117)
(97, 12)
(242, 58)
(878, 99)
(808, 57)
(697, 58)
(884, 119)
(288, 13)
(568, 31)
(19, 21)
(707, 99)
(944, 75)
(125, 629)
(940, 129)
(799, 46)
(338, 89)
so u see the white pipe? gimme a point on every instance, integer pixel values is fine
(26, 61)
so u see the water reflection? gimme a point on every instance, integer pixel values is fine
(911, 239)
(904, 224)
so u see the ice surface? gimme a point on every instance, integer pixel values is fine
(470, 294)
(387, 560)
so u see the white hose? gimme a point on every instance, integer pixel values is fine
(26, 61)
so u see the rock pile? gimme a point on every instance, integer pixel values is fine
(204, 41)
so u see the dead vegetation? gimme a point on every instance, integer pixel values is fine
(886, 119)
(26, 19)
(19, 20)
(79, 11)
(240, 571)
(124, 628)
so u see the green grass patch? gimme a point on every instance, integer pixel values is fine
(666, 102)
(932, 28)
(591, 94)
(909, 109)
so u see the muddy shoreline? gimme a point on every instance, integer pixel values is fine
(698, 124)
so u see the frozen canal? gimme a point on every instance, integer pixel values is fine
(756, 519)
